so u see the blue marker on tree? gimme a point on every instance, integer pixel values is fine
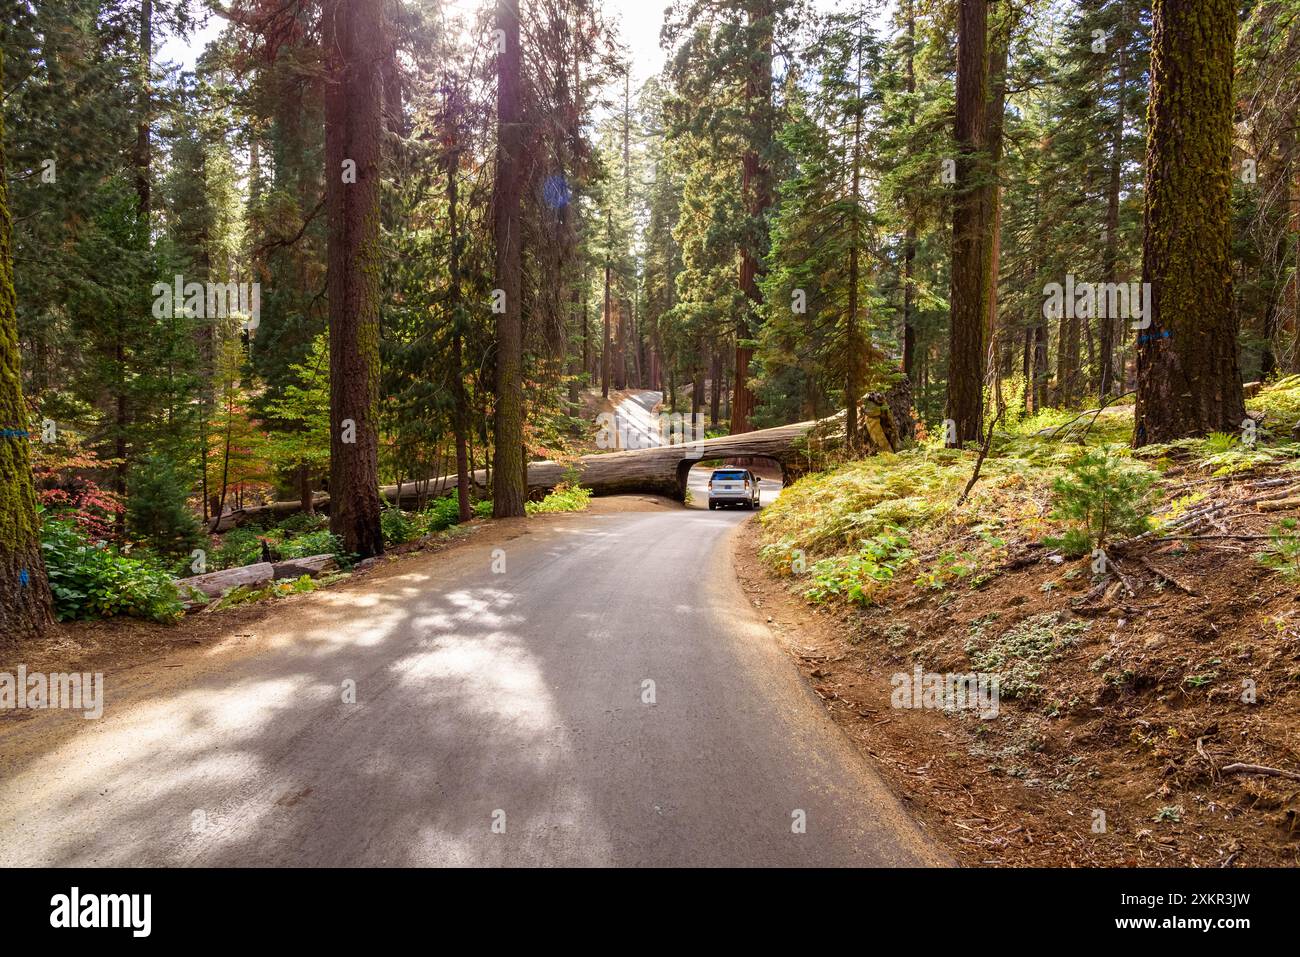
(22, 578)
(555, 192)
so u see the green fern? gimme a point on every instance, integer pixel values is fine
(1216, 443)
(1282, 553)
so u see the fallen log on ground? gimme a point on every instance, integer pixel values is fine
(276, 510)
(297, 567)
(215, 584)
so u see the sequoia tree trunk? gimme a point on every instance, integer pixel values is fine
(909, 239)
(508, 491)
(1188, 378)
(1110, 253)
(968, 311)
(353, 36)
(757, 190)
(460, 397)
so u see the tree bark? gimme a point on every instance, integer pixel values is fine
(305, 495)
(141, 160)
(142, 145)
(909, 238)
(1027, 369)
(968, 309)
(1188, 378)
(508, 491)
(853, 345)
(1291, 294)
(456, 304)
(756, 188)
(1067, 359)
(715, 384)
(25, 603)
(1110, 254)
(586, 326)
(353, 35)
(1040, 365)
(697, 384)
(214, 584)
(606, 321)
(620, 345)
(994, 120)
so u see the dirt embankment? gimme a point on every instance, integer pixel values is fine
(1136, 719)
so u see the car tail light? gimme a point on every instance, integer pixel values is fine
(710, 485)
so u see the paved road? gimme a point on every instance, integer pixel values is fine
(636, 423)
(517, 699)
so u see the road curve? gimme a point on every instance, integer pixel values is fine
(502, 717)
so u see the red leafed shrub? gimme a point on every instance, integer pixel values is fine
(65, 481)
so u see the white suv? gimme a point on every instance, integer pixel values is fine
(733, 487)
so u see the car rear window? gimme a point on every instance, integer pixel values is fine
(729, 476)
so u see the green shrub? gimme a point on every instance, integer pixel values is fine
(974, 565)
(301, 523)
(1103, 495)
(89, 581)
(317, 543)
(1216, 443)
(1280, 403)
(397, 527)
(1241, 457)
(564, 498)
(239, 547)
(442, 513)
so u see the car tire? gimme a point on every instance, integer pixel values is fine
(712, 506)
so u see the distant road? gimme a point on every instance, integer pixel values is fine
(636, 420)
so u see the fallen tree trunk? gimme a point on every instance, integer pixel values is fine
(215, 584)
(297, 567)
(275, 510)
